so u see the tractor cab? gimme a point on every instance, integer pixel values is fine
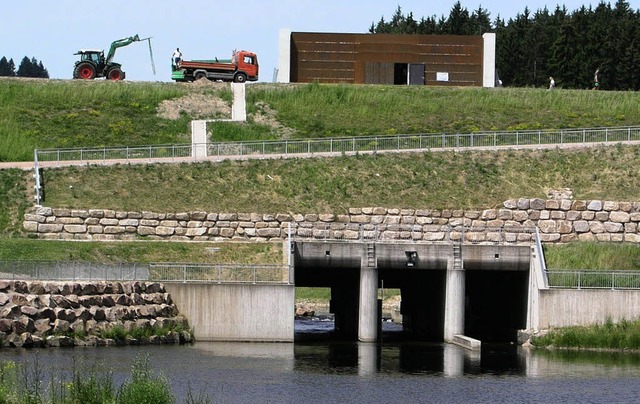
(95, 56)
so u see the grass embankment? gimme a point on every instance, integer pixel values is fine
(43, 114)
(436, 180)
(58, 114)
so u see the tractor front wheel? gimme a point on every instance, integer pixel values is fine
(115, 74)
(85, 71)
(240, 78)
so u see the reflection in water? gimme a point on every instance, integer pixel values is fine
(324, 371)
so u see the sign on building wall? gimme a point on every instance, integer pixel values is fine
(442, 76)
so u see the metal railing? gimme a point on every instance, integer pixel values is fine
(72, 271)
(157, 272)
(565, 279)
(219, 273)
(347, 145)
(402, 233)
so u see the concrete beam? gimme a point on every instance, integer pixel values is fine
(469, 343)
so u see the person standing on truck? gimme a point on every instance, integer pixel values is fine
(177, 57)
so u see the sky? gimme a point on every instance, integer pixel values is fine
(53, 30)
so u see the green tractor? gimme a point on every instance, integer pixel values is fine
(93, 64)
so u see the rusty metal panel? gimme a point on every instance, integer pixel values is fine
(378, 73)
(370, 58)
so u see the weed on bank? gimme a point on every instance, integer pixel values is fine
(23, 384)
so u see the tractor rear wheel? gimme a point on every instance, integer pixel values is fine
(115, 74)
(200, 75)
(85, 71)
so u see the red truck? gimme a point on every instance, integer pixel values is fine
(241, 67)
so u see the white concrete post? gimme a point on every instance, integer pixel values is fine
(198, 139)
(489, 60)
(284, 56)
(454, 302)
(239, 106)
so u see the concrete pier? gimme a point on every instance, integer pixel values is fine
(368, 314)
(455, 300)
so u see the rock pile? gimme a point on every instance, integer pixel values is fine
(38, 314)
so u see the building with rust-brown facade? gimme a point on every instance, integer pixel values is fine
(439, 60)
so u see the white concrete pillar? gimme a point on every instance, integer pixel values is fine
(198, 139)
(489, 60)
(239, 106)
(368, 305)
(284, 56)
(454, 302)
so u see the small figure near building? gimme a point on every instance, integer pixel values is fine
(177, 57)
(552, 83)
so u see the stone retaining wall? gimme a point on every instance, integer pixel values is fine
(37, 313)
(559, 221)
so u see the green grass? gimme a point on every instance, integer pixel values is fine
(143, 252)
(623, 335)
(13, 200)
(316, 110)
(592, 255)
(87, 385)
(61, 114)
(436, 180)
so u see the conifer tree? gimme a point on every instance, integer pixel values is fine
(7, 68)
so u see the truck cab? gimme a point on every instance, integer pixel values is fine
(248, 63)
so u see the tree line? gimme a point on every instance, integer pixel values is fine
(27, 68)
(533, 46)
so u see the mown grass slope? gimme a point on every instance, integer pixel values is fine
(45, 114)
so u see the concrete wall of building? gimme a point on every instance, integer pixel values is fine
(236, 312)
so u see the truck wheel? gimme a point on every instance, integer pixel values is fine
(240, 78)
(85, 71)
(199, 75)
(115, 74)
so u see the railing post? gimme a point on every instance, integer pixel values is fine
(184, 274)
(579, 280)
(613, 280)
